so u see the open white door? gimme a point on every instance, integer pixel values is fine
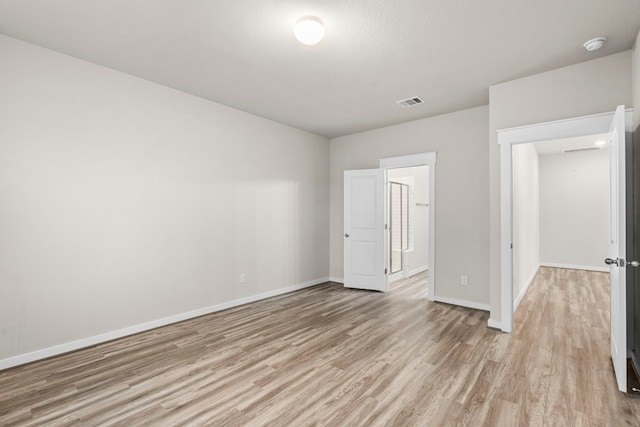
(617, 249)
(364, 263)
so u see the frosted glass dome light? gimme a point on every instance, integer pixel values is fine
(309, 30)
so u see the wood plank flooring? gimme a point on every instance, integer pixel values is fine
(340, 357)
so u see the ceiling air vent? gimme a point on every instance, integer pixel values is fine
(410, 102)
(573, 150)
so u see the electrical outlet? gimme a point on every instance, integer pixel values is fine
(464, 280)
(243, 278)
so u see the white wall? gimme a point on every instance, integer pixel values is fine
(587, 88)
(574, 209)
(461, 193)
(418, 258)
(124, 201)
(526, 217)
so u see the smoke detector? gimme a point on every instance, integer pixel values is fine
(595, 44)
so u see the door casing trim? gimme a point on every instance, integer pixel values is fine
(422, 159)
(567, 128)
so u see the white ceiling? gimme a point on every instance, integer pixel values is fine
(242, 53)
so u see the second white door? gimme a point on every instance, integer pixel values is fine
(364, 254)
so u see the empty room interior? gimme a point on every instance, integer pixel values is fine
(319, 213)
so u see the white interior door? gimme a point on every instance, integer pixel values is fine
(617, 249)
(364, 262)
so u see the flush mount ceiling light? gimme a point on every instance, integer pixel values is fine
(595, 44)
(309, 30)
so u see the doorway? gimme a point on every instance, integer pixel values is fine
(423, 172)
(407, 221)
(366, 223)
(614, 124)
(508, 138)
(560, 200)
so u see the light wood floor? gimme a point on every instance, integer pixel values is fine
(340, 357)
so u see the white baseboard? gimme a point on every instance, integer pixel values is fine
(418, 270)
(97, 339)
(394, 277)
(530, 280)
(576, 267)
(463, 303)
(494, 324)
(411, 273)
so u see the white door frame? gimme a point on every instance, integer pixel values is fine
(579, 126)
(423, 159)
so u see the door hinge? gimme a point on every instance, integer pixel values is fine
(385, 271)
(386, 227)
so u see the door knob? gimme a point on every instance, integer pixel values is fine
(621, 262)
(346, 234)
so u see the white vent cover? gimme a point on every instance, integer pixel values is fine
(410, 102)
(573, 150)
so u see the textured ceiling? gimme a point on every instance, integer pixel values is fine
(242, 53)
